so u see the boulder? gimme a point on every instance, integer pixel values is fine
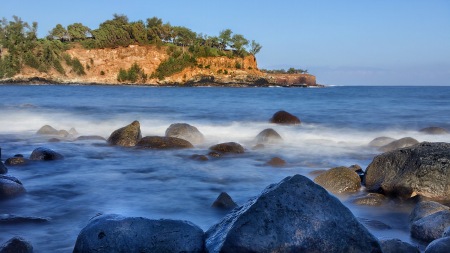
(401, 143)
(198, 157)
(397, 246)
(431, 227)
(63, 133)
(126, 136)
(45, 154)
(294, 215)
(371, 199)
(426, 208)
(339, 180)
(381, 141)
(228, 147)
(157, 142)
(15, 161)
(276, 162)
(186, 132)
(3, 169)
(73, 131)
(90, 138)
(446, 232)
(284, 118)
(10, 187)
(224, 201)
(434, 130)
(16, 245)
(115, 233)
(47, 130)
(268, 136)
(423, 169)
(441, 245)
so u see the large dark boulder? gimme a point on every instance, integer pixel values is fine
(401, 143)
(397, 246)
(157, 142)
(228, 147)
(425, 208)
(16, 245)
(295, 215)
(434, 130)
(423, 169)
(3, 169)
(284, 118)
(126, 136)
(381, 141)
(431, 227)
(10, 187)
(45, 154)
(268, 136)
(115, 233)
(339, 180)
(441, 245)
(186, 132)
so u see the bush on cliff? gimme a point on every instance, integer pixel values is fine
(133, 74)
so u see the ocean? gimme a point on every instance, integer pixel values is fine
(337, 125)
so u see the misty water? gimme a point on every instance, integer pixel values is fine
(337, 124)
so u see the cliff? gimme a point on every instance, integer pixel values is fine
(102, 67)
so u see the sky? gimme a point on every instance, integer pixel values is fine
(345, 42)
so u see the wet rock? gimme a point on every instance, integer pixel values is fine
(371, 199)
(284, 118)
(127, 136)
(186, 132)
(73, 131)
(339, 180)
(13, 219)
(90, 138)
(441, 245)
(54, 140)
(16, 245)
(446, 232)
(63, 133)
(45, 154)
(423, 169)
(356, 168)
(434, 130)
(224, 201)
(401, 143)
(276, 162)
(397, 246)
(258, 146)
(10, 187)
(381, 141)
(215, 154)
(114, 233)
(3, 169)
(268, 136)
(199, 157)
(15, 161)
(157, 142)
(228, 147)
(374, 224)
(426, 208)
(47, 130)
(431, 227)
(294, 215)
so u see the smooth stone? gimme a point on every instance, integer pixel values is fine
(401, 143)
(434, 130)
(45, 154)
(276, 162)
(268, 136)
(157, 142)
(228, 147)
(127, 136)
(199, 157)
(285, 118)
(47, 130)
(431, 227)
(397, 246)
(339, 180)
(16, 245)
(10, 187)
(425, 208)
(90, 138)
(381, 141)
(73, 131)
(371, 199)
(15, 161)
(441, 245)
(186, 132)
(224, 201)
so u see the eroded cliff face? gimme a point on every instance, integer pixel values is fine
(102, 67)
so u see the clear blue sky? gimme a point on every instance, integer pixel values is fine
(345, 42)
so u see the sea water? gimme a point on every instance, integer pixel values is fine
(337, 125)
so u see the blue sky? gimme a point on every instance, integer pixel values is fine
(346, 42)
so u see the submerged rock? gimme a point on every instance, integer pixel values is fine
(10, 187)
(441, 245)
(423, 169)
(127, 136)
(284, 118)
(401, 143)
(3, 169)
(294, 215)
(434, 130)
(15, 161)
(426, 208)
(228, 147)
(14, 219)
(47, 130)
(45, 154)
(224, 201)
(431, 227)
(115, 233)
(371, 199)
(157, 142)
(268, 136)
(90, 138)
(276, 162)
(16, 245)
(397, 246)
(339, 180)
(198, 157)
(381, 141)
(186, 132)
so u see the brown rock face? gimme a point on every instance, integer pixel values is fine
(126, 136)
(157, 142)
(284, 118)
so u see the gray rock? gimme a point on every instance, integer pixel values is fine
(45, 154)
(114, 233)
(63, 133)
(268, 136)
(47, 130)
(431, 227)
(224, 201)
(423, 169)
(339, 180)
(16, 245)
(14, 219)
(381, 141)
(446, 232)
(425, 208)
(284, 118)
(90, 138)
(126, 136)
(441, 245)
(228, 147)
(15, 161)
(397, 246)
(186, 132)
(371, 199)
(10, 187)
(73, 131)
(157, 142)
(434, 130)
(294, 215)
(401, 143)
(3, 169)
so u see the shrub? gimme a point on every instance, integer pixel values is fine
(102, 73)
(77, 67)
(238, 65)
(133, 74)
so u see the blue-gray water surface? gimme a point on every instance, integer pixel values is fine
(337, 124)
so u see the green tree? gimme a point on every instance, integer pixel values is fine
(59, 33)
(78, 31)
(238, 44)
(255, 47)
(138, 32)
(224, 39)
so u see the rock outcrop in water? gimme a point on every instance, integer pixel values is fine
(10, 187)
(268, 136)
(339, 180)
(401, 143)
(284, 118)
(423, 169)
(157, 142)
(127, 136)
(228, 147)
(434, 130)
(45, 154)
(186, 132)
(16, 245)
